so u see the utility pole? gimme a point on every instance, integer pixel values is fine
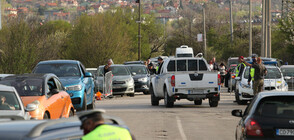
(204, 30)
(269, 17)
(231, 21)
(0, 16)
(250, 28)
(139, 31)
(263, 30)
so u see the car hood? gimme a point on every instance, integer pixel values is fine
(67, 81)
(29, 99)
(121, 78)
(11, 113)
(138, 76)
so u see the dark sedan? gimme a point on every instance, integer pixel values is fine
(270, 115)
(141, 78)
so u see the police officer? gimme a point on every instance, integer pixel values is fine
(240, 68)
(252, 70)
(95, 128)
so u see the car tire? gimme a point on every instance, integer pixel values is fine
(239, 102)
(92, 105)
(146, 92)
(46, 116)
(154, 100)
(198, 102)
(213, 103)
(168, 101)
(71, 113)
(132, 94)
(84, 107)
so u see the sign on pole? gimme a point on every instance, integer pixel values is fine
(199, 37)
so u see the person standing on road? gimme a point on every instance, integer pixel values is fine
(150, 66)
(215, 65)
(95, 129)
(259, 73)
(107, 67)
(222, 70)
(251, 70)
(240, 68)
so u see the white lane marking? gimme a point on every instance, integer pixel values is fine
(181, 128)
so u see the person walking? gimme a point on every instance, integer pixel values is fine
(94, 127)
(222, 70)
(259, 73)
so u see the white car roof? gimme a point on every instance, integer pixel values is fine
(91, 68)
(6, 88)
(275, 93)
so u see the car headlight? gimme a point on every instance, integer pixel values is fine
(245, 85)
(74, 87)
(142, 79)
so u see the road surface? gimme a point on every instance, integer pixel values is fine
(185, 121)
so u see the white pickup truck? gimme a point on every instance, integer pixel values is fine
(185, 78)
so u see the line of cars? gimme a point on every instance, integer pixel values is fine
(54, 89)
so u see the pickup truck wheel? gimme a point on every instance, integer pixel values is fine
(168, 101)
(198, 102)
(213, 103)
(154, 100)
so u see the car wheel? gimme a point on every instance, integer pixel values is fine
(168, 101)
(84, 107)
(213, 103)
(92, 105)
(71, 113)
(198, 102)
(46, 116)
(146, 92)
(122, 95)
(132, 94)
(240, 102)
(154, 100)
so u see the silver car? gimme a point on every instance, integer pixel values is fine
(288, 72)
(122, 81)
(11, 106)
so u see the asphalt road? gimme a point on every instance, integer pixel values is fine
(185, 121)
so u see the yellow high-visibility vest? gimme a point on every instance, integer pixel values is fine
(238, 69)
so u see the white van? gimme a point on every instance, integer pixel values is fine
(184, 51)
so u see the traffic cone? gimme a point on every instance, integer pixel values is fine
(98, 95)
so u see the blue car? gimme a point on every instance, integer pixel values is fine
(77, 81)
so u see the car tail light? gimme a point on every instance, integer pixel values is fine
(253, 128)
(173, 81)
(218, 79)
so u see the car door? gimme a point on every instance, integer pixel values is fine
(54, 102)
(160, 82)
(63, 96)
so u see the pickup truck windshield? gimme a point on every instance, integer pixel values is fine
(186, 65)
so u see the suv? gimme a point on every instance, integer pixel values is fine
(185, 78)
(73, 75)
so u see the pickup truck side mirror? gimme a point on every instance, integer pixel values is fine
(88, 74)
(287, 77)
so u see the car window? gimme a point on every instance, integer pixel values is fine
(119, 70)
(181, 65)
(248, 108)
(273, 73)
(171, 66)
(288, 71)
(26, 87)
(9, 101)
(202, 65)
(138, 69)
(185, 55)
(58, 85)
(277, 106)
(83, 69)
(51, 85)
(60, 70)
(246, 73)
(100, 73)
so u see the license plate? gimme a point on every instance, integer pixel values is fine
(285, 132)
(196, 91)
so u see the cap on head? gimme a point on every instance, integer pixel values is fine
(160, 58)
(241, 57)
(254, 55)
(84, 115)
